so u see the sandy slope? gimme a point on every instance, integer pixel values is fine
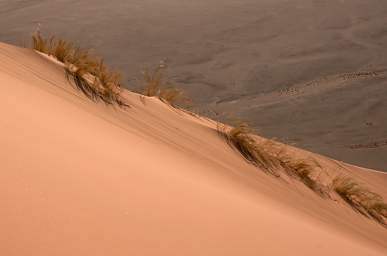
(237, 51)
(79, 178)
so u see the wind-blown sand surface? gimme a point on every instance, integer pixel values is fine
(79, 178)
(243, 52)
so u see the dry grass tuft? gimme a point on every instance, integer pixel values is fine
(240, 138)
(272, 158)
(156, 84)
(61, 49)
(110, 80)
(154, 79)
(170, 95)
(361, 199)
(304, 170)
(88, 73)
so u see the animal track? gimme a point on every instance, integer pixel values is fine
(376, 144)
(331, 81)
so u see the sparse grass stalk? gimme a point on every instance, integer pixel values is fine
(156, 84)
(153, 80)
(40, 43)
(170, 95)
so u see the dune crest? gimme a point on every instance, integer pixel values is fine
(83, 178)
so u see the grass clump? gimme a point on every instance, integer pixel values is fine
(154, 79)
(361, 199)
(304, 170)
(81, 69)
(88, 73)
(111, 82)
(61, 49)
(272, 158)
(240, 138)
(156, 84)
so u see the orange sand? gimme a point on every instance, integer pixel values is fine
(79, 178)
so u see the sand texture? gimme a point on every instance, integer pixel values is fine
(80, 178)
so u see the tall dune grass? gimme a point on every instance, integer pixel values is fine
(304, 170)
(361, 199)
(239, 138)
(62, 50)
(273, 158)
(87, 72)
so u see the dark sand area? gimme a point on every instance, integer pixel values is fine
(309, 72)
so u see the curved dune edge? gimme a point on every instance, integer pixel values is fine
(80, 178)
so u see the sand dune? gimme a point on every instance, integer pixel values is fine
(79, 178)
(237, 51)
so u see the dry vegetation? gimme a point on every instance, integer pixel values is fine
(239, 137)
(87, 72)
(40, 43)
(305, 171)
(361, 199)
(272, 157)
(90, 75)
(62, 50)
(156, 84)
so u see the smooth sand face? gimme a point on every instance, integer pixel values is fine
(79, 178)
(252, 58)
